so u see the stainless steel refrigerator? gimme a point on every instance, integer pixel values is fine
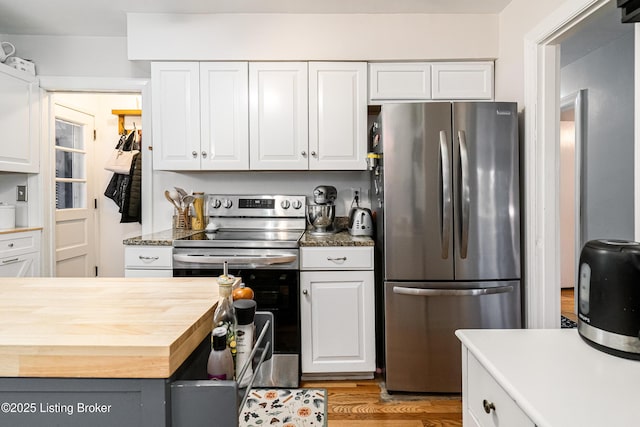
(445, 195)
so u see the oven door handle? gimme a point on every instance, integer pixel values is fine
(231, 259)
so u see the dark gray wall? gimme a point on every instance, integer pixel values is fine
(607, 74)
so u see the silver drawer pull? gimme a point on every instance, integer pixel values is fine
(148, 258)
(341, 259)
(488, 406)
(8, 261)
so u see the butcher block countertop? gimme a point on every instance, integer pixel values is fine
(102, 327)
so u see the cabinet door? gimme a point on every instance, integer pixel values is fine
(337, 115)
(176, 115)
(18, 121)
(469, 80)
(278, 115)
(404, 81)
(337, 321)
(27, 265)
(224, 115)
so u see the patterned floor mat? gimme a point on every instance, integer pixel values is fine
(566, 323)
(285, 408)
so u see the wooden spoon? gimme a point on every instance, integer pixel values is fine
(168, 197)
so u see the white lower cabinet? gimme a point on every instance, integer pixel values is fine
(485, 403)
(20, 254)
(148, 261)
(337, 317)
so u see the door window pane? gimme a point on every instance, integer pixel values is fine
(69, 135)
(71, 169)
(70, 195)
(69, 164)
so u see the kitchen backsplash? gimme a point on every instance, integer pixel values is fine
(8, 186)
(294, 182)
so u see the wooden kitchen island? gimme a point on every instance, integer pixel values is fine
(104, 352)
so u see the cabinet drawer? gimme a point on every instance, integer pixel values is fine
(337, 258)
(148, 257)
(482, 387)
(19, 243)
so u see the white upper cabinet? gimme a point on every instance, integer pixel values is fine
(200, 115)
(224, 115)
(425, 81)
(337, 115)
(410, 81)
(175, 110)
(468, 80)
(278, 115)
(19, 100)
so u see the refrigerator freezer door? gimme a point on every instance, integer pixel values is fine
(418, 217)
(486, 191)
(422, 352)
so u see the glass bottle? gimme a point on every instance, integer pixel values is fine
(220, 363)
(225, 314)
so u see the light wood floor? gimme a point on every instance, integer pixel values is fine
(363, 403)
(566, 304)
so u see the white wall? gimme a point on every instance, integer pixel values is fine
(111, 231)
(288, 183)
(608, 75)
(515, 21)
(288, 36)
(78, 56)
(8, 184)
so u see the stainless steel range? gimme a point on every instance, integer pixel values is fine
(258, 236)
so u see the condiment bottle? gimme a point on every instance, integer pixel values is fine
(245, 337)
(220, 363)
(225, 315)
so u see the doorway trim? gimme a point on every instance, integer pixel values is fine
(50, 84)
(542, 158)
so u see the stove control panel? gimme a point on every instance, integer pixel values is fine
(262, 206)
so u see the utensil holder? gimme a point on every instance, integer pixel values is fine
(182, 219)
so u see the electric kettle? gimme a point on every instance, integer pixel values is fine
(360, 222)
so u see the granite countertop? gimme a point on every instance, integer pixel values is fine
(19, 230)
(341, 238)
(159, 238)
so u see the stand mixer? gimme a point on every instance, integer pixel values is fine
(321, 215)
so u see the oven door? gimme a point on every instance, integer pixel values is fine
(272, 274)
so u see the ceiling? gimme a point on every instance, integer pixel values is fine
(108, 17)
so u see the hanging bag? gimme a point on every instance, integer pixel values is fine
(122, 156)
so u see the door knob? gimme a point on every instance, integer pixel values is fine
(488, 406)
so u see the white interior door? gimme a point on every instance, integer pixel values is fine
(75, 211)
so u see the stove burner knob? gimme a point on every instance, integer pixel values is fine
(226, 203)
(215, 203)
(285, 204)
(297, 204)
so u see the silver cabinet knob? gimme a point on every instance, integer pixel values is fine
(313, 153)
(488, 406)
(204, 154)
(304, 154)
(10, 245)
(305, 292)
(194, 154)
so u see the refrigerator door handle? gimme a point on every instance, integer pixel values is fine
(445, 202)
(451, 292)
(464, 193)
